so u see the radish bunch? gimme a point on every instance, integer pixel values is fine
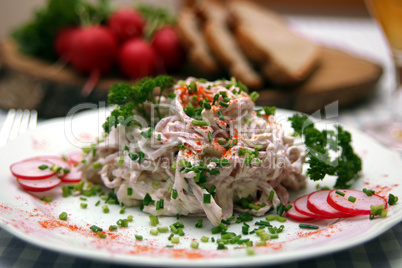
(332, 204)
(43, 173)
(97, 49)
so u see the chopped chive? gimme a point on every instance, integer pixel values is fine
(216, 230)
(224, 104)
(352, 199)
(271, 217)
(384, 213)
(392, 199)
(171, 95)
(220, 115)
(207, 198)
(340, 193)
(121, 160)
(123, 208)
(46, 199)
(63, 216)
(147, 134)
(129, 191)
(226, 99)
(368, 192)
(261, 243)
(375, 210)
(250, 251)
(281, 219)
(199, 223)
(274, 236)
(138, 237)
(209, 136)
(181, 233)
(204, 239)
(97, 165)
(95, 229)
(43, 167)
(122, 222)
(174, 194)
(97, 203)
(105, 209)
(271, 195)
(163, 229)
(207, 106)
(254, 96)
(280, 209)
(159, 137)
(221, 246)
(289, 206)
(154, 232)
(253, 206)
(173, 229)
(84, 205)
(147, 199)
(193, 87)
(101, 234)
(201, 123)
(194, 244)
(308, 226)
(154, 220)
(175, 240)
(130, 218)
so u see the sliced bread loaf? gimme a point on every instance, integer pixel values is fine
(285, 57)
(223, 44)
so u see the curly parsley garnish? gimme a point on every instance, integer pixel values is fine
(130, 97)
(321, 145)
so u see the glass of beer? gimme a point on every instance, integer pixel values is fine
(388, 14)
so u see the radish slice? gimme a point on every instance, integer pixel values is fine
(29, 170)
(293, 213)
(39, 185)
(301, 207)
(317, 203)
(75, 158)
(52, 158)
(360, 207)
(73, 176)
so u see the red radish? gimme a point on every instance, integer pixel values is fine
(54, 159)
(74, 158)
(360, 207)
(137, 59)
(29, 170)
(93, 50)
(293, 213)
(126, 24)
(39, 185)
(73, 176)
(317, 203)
(62, 44)
(166, 43)
(301, 207)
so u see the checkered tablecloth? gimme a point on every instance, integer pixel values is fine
(358, 36)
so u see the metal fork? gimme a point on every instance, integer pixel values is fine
(17, 122)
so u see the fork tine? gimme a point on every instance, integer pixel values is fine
(33, 119)
(5, 130)
(24, 122)
(16, 125)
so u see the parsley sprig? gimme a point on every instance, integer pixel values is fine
(130, 97)
(320, 145)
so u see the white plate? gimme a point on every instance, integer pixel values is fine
(34, 221)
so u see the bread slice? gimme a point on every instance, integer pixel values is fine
(223, 44)
(198, 52)
(285, 57)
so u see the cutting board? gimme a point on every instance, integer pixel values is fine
(53, 89)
